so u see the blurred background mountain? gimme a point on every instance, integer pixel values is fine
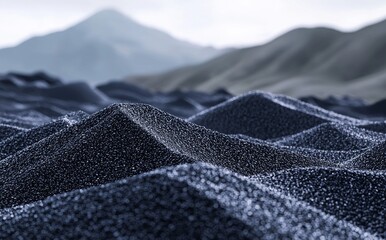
(104, 46)
(109, 45)
(313, 61)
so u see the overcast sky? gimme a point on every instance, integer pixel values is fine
(208, 22)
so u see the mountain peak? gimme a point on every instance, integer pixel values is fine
(109, 13)
(108, 21)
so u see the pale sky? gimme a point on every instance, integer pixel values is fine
(219, 23)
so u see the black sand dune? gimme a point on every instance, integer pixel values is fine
(187, 201)
(183, 104)
(376, 127)
(18, 142)
(333, 136)
(351, 107)
(38, 79)
(184, 165)
(251, 113)
(48, 95)
(349, 193)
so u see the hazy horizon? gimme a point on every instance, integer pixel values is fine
(211, 22)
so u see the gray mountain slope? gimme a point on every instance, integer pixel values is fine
(104, 46)
(303, 61)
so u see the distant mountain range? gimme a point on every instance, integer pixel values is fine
(318, 61)
(106, 45)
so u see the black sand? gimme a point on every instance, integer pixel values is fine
(191, 166)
